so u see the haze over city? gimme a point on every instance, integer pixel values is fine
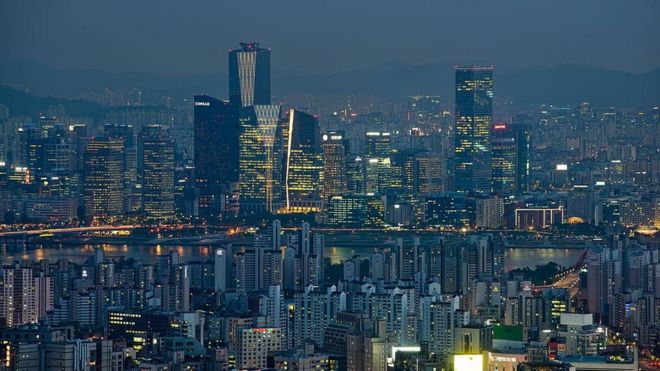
(338, 186)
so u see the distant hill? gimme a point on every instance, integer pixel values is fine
(566, 84)
(22, 103)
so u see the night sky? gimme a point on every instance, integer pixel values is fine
(180, 37)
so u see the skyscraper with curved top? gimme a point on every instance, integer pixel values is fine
(249, 75)
(474, 116)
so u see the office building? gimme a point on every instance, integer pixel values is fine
(157, 174)
(335, 159)
(474, 115)
(260, 159)
(249, 75)
(378, 144)
(216, 137)
(303, 166)
(104, 178)
(510, 161)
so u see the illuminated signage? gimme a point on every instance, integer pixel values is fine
(562, 167)
(205, 104)
(468, 362)
(404, 349)
(499, 126)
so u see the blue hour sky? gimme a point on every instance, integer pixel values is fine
(179, 37)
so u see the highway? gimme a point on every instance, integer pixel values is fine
(36, 232)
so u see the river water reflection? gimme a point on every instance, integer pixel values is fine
(514, 258)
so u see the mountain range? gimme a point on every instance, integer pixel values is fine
(565, 84)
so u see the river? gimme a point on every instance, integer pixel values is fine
(514, 257)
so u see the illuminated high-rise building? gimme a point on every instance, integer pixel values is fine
(104, 178)
(428, 173)
(303, 163)
(510, 160)
(249, 75)
(335, 157)
(157, 173)
(474, 115)
(377, 144)
(260, 159)
(216, 137)
(127, 133)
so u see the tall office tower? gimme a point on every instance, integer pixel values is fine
(521, 125)
(249, 75)
(216, 136)
(32, 144)
(428, 173)
(18, 299)
(104, 178)
(260, 159)
(303, 169)
(510, 161)
(377, 144)
(157, 173)
(127, 133)
(474, 115)
(335, 159)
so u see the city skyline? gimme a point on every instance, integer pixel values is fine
(354, 222)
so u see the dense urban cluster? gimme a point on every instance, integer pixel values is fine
(434, 195)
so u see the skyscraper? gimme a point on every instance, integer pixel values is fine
(128, 135)
(104, 178)
(303, 163)
(260, 159)
(335, 157)
(249, 75)
(474, 115)
(157, 173)
(510, 159)
(377, 144)
(216, 151)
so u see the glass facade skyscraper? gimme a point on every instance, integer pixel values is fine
(216, 134)
(335, 160)
(510, 146)
(157, 173)
(104, 178)
(474, 116)
(303, 163)
(249, 75)
(260, 159)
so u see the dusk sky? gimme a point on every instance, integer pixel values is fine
(192, 37)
